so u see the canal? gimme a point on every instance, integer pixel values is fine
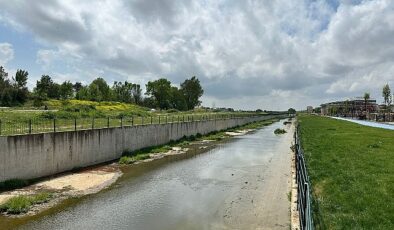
(240, 184)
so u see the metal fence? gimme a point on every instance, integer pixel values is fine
(9, 128)
(304, 198)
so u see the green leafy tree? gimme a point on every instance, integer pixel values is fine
(386, 94)
(66, 90)
(192, 91)
(291, 111)
(46, 88)
(137, 94)
(21, 92)
(77, 87)
(160, 92)
(177, 99)
(99, 90)
(21, 78)
(366, 98)
(123, 92)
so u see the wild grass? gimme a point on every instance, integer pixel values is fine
(23, 203)
(279, 131)
(351, 168)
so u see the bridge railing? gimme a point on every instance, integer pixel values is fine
(304, 198)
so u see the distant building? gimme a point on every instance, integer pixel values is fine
(356, 107)
(309, 109)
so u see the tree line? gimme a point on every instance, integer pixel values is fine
(159, 94)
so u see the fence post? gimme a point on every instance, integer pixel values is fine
(121, 122)
(1, 126)
(142, 120)
(30, 126)
(93, 123)
(151, 119)
(75, 124)
(166, 119)
(132, 120)
(183, 119)
(54, 125)
(305, 202)
(159, 119)
(108, 122)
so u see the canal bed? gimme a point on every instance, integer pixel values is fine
(241, 184)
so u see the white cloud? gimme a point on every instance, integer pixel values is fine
(6, 53)
(301, 51)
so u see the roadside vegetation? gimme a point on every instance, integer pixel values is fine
(351, 168)
(23, 203)
(130, 157)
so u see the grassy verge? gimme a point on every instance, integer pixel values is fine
(23, 203)
(351, 168)
(129, 157)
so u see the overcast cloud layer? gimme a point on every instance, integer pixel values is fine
(248, 54)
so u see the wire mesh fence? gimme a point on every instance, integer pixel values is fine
(36, 125)
(304, 198)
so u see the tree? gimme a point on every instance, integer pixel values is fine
(5, 88)
(192, 91)
(366, 98)
(77, 87)
(99, 90)
(66, 90)
(21, 78)
(386, 94)
(21, 92)
(137, 94)
(123, 92)
(291, 111)
(46, 88)
(160, 91)
(177, 99)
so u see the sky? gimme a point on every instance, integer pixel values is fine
(249, 54)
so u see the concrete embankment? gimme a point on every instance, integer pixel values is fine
(39, 155)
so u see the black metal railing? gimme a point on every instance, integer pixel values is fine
(304, 198)
(10, 128)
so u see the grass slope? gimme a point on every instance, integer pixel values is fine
(351, 168)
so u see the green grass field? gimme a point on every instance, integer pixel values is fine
(351, 168)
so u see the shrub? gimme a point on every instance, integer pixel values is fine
(22, 203)
(280, 131)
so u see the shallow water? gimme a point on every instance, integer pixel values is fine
(178, 192)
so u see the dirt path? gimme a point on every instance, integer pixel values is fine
(263, 201)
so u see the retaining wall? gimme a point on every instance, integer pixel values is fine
(39, 155)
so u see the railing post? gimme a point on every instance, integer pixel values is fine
(151, 119)
(75, 124)
(132, 120)
(166, 119)
(1, 126)
(54, 125)
(159, 119)
(93, 123)
(30, 126)
(142, 120)
(121, 122)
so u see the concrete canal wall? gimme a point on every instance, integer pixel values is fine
(39, 155)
